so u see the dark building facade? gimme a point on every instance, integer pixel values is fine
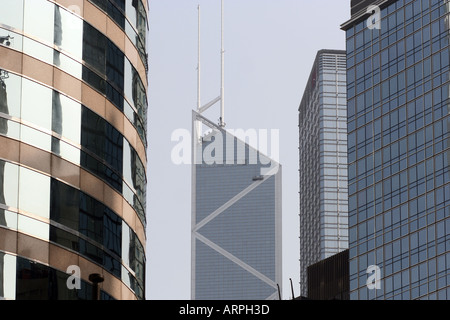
(328, 279)
(398, 149)
(73, 108)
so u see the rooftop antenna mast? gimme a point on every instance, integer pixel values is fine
(222, 71)
(221, 97)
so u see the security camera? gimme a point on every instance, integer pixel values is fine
(5, 40)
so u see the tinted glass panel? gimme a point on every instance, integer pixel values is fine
(102, 139)
(115, 65)
(94, 48)
(38, 282)
(65, 204)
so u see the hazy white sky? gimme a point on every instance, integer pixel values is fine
(270, 48)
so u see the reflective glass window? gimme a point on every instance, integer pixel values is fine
(36, 138)
(115, 97)
(8, 218)
(68, 30)
(33, 227)
(65, 204)
(10, 95)
(115, 65)
(92, 132)
(9, 184)
(34, 192)
(68, 65)
(128, 159)
(91, 218)
(39, 19)
(84, 214)
(7, 283)
(114, 9)
(64, 238)
(112, 226)
(102, 139)
(141, 19)
(113, 152)
(37, 104)
(135, 90)
(94, 48)
(35, 281)
(38, 50)
(66, 117)
(134, 174)
(132, 252)
(101, 170)
(12, 14)
(94, 79)
(132, 11)
(66, 150)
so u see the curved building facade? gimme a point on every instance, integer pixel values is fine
(73, 109)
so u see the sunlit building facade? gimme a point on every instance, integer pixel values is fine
(73, 108)
(323, 163)
(236, 218)
(399, 149)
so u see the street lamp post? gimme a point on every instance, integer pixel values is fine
(96, 278)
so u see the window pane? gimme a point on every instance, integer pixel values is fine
(36, 104)
(9, 187)
(68, 32)
(94, 48)
(12, 14)
(33, 227)
(66, 117)
(34, 192)
(65, 203)
(38, 50)
(36, 138)
(7, 284)
(39, 19)
(10, 96)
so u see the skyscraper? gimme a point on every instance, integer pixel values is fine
(323, 163)
(73, 105)
(398, 149)
(236, 217)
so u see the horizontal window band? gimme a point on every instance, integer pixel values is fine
(88, 135)
(95, 17)
(77, 178)
(83, 94)
(136, 114)
(60, 259)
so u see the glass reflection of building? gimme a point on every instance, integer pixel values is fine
(73, 108)
(323, 163)
(236, 218)
(398, 148)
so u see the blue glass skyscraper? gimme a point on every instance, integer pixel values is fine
(236, 217)
(398, 149)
